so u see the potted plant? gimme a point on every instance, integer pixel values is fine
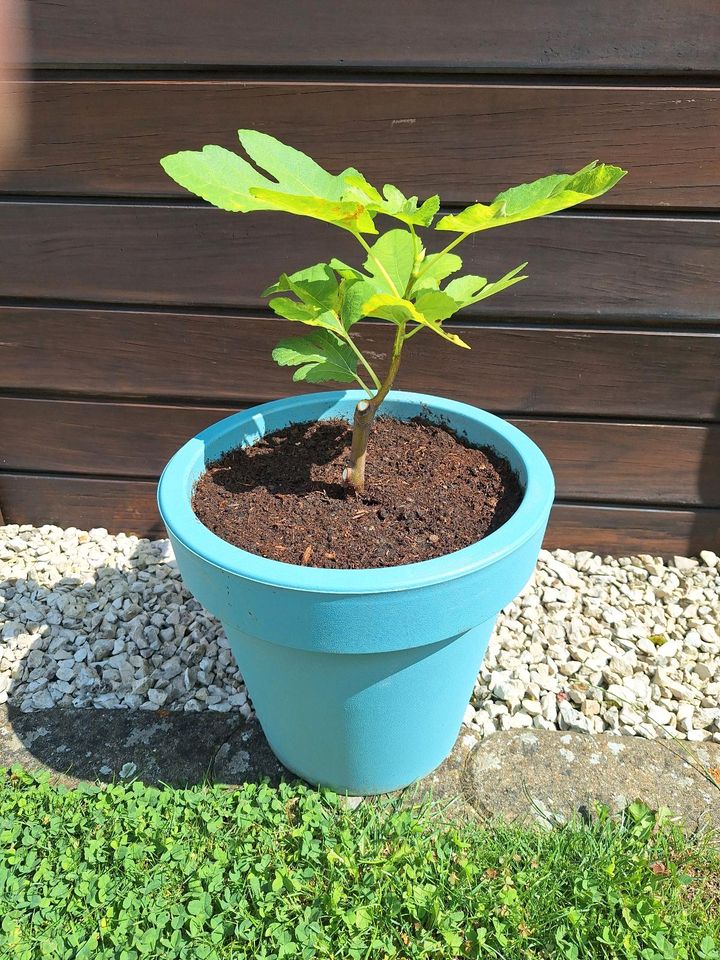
(360, 669)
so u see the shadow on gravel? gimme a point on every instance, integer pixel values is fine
(44, 637)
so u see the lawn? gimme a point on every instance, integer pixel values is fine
(129, 872)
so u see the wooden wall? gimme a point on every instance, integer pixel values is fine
(130, 316)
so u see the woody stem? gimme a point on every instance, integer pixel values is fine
(365, 411)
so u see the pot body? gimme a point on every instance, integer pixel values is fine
(360, 679)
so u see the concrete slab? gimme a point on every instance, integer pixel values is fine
(548, 776)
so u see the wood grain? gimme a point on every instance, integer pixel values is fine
(631, 462)
(592, 460)
(621, 531)
(100, 137)
(603, 266)
(656, 36)
(129, 506)
(224, 360)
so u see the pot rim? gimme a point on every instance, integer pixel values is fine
(184, 526)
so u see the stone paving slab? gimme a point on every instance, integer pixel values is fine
(548, 776)
(539, 775)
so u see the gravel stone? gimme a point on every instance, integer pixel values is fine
(93, 620)
(593, 644)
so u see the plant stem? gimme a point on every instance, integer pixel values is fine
(365, 411)
(378, 264)
(447, 249)
(375, 379)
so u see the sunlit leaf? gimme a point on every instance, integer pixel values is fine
(315, 285)
(296, 183)
(436, 268)
(320, 356)
(357, 188)
(349, 215)
(509, 280)
(471, 289)
(398, 310)
(528, 200)
(292, 310)
(397, 205)
(345, 271)
(436, 305)
(386, 306)
(307, 314)
(463, 289)
(218, 176)
(395, 250)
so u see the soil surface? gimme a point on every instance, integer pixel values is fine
(428, 492)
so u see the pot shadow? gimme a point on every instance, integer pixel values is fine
(42, 628)
(283, 462)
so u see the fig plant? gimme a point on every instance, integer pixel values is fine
(400, 282)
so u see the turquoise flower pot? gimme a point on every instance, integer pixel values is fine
(360, 678)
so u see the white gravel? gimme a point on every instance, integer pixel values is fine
(593, 644)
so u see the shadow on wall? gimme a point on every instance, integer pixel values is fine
(705, 532)
(128, 637)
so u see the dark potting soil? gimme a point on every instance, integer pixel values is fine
(428, 492)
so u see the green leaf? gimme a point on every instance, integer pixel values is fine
(386, 306)
(355, 296)
(348, 215)
(471, 289)
(502, 284)
(320, 356)
(304, 313)
(397, 205)
(315, 286)
(436, 305)
(362, 918)
(345, 271)
(436, 268)
(218, 176)
(528, 200)
(463, 289)
(357, 188)
(293, 170)
(398, 310)
(300, 185)
(292, 310)
(395, 250)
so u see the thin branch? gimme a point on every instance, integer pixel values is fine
(362, 383)
(378, 264)
(414, 330)
(358, 353)
(447, 249)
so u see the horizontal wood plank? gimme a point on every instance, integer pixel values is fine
(622, 531)
(100, 138)
(631, 462)
(669, 36)
(602, 266)
(592, 460)
(121, 506)
(129, 506)
(224, 360)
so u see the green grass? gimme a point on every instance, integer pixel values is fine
(128, 872)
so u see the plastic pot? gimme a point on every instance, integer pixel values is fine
(360, 679)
